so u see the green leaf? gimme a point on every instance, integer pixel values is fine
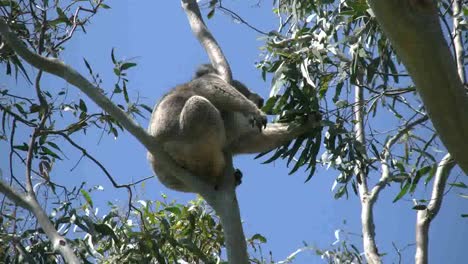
(459, 185)
(113, 56)
(173, 209)
(87, 197)
(88, 66)
(125, 92)
(48, 151)
(147, 108)
(403, 191)
(61, 14)
(259, 237)
(341, 191)
(421, 172)
(83, 106)
(127, 65)
(104, 6)
(23, 147)
(107, 230)
(211, 13)
(19, 65)
(52, 144)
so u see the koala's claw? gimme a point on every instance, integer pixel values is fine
(260, 121)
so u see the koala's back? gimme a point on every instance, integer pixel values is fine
(164, 120)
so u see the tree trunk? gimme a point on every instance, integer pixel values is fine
(414, 29)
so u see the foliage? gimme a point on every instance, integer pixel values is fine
(157, 232)
(320, 52)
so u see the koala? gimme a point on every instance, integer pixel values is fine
(198, 122)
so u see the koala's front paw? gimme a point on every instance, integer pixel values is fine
(259, 120)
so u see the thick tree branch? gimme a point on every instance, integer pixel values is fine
(223, 200)
(60, 69)
(425, 217)
(414, 29)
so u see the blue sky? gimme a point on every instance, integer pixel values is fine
(283, 208)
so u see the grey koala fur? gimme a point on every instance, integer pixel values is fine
(198, 122)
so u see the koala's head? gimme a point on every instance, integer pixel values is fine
(206, 69)
(254, 97)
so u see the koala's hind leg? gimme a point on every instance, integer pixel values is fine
(200, 146)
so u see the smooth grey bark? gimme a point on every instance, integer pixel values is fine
(457, 39)
(224, 200)
(371, 252)
(414, 29)
(425, 217)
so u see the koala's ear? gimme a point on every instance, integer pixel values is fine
(204, 69)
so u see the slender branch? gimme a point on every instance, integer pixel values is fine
(60, 69)
(367, 210)
(206, 39)
(359, 131)
(17, 116)
(425, 217)
(106, 172)
(77, 23)
(30, 203)
(386, 154)
(239, 18)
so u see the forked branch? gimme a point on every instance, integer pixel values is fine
(424, 217)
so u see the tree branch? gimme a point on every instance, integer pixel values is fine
(223, 200)
(367, 210)
(206, 39)
(414, 29)
(425, 217)
(386, 154)
(29, 202)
